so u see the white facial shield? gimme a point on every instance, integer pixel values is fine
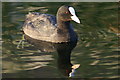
(73, 17)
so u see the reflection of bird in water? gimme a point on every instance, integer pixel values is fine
(74, 67)
(64, 54)
(68, 69)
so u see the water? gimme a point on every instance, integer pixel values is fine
(96, 51)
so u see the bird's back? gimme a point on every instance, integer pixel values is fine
(40, 26)
(44, 27)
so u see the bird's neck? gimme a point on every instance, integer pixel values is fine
(63, 24)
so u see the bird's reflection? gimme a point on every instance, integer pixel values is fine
(64, 53)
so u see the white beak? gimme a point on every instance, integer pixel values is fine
(73, 17)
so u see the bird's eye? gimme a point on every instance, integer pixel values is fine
(66, 12)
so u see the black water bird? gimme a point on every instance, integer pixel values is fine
(49, 28)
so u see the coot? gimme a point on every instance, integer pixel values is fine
(49, 28)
